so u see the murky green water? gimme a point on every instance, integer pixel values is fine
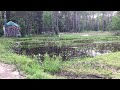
(67, 52)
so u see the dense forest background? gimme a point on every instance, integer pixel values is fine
(54, 22)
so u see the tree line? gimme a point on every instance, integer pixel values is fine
(39, 22)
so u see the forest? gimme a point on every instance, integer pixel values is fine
(60, 44)
(38, 22)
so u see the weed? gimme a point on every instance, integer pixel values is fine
(51, 64)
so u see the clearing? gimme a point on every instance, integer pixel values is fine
(28, 57)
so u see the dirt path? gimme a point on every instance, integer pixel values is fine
(9, 72)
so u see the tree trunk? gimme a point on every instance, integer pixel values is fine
(8, 13)
(38, 20)
(55, 26)
(5, 19)
(103, 20)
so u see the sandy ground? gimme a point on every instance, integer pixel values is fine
(9, 72)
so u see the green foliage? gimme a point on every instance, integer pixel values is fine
(23, 26)
(1, 27)
(115, 24)
(51, 64)
(1, 33)
(47, 19)
(106, 65)
(29, 66)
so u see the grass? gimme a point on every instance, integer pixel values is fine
(107, 65)
(51, 64)
(67, 40)
(29, 66)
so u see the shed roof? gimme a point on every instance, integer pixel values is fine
(11, 23)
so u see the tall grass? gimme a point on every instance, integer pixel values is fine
(51, 64)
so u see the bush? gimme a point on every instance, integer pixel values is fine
(51, 64)
(1, 33)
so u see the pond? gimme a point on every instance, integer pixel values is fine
(66, 52)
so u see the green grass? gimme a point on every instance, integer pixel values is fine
(51, 64)
(29, 66)
(67, 40)
(107, 65)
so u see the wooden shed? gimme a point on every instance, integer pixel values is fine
(11, 29)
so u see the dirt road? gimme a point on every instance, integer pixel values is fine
(9, 72)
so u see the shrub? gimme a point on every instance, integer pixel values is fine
(1, 33)
(51, 64)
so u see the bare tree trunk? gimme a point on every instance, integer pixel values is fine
(78, 22)
(103, 20)
(67, 21)
(55, 26)
(8, 13)
(52, 21)
(5, 19)
(98, 25)
(57, 20)
(83, 25)
(38, 20)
